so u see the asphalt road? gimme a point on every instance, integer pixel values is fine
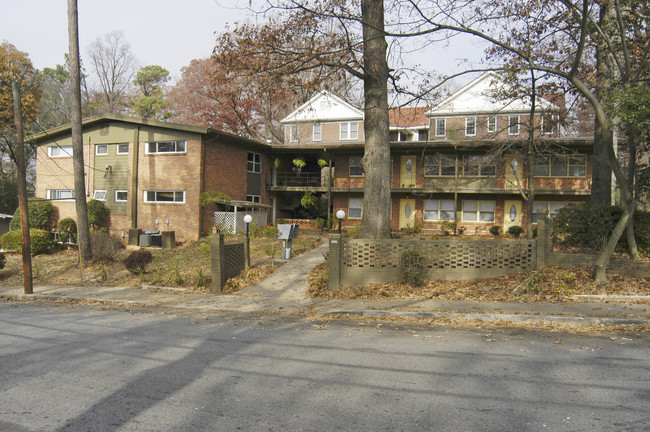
(82, 368)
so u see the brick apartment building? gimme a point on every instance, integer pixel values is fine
(150, 173)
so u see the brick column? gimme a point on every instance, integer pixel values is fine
(543, 239)
(218, 263)
(335, 259)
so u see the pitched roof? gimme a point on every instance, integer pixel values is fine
(479, 96)
(408, 117)
(324, 106)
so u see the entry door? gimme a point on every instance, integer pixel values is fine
(407, 172)
(406, 213)
(511, 214)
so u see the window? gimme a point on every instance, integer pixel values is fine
(547, 124)
(101, 149)
(164, 196)
(121, 195)
(478, 166)
(549, 208)
(99, 195)
(293, 133)
(439, 210)
(439, 165)
(318, 132)
(560, 166)
(123, 149)
(355, 166)
(423, 135)
(478, 211)
(60, 194)
(254, 162)
(253, 198)
(492, 124)
(470, 126)
(165, 147)
(513, 125)
(441, 127)
(355, 205)
(59, 151)
(349, 130)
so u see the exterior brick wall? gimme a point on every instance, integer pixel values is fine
(330, 132)
(455, 128)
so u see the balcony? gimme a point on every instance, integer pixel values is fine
(292, 179)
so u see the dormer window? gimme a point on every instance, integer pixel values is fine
(349, 130)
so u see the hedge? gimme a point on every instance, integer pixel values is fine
(39, 240)
(40, 213)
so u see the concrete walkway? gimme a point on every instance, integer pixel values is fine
(285, 292)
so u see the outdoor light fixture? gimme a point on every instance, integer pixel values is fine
(340, 215)
(248, 219)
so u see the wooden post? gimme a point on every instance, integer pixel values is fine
(22, 193)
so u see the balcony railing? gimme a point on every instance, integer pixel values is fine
(300, 179)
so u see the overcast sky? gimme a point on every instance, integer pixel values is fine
(169, 33)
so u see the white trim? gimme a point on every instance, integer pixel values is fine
(444, 127)
(360, 208)
(510, 125)
(157, 143)
(122, 190)
(156, 201)
(117, 148)
(63, 149)
(317, 136)
(98, 146)
(467, 119)
(99, 192)
(348, 133)
(492, 129)
(54, 194)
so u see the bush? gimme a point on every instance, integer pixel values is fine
(281, 221)
(254, 230)
(105, 246)
(40, 213)
(448, 227)
(271, 232)
(412, 229)
(641, 233)
(97, 214)
(67, 225)
(586, 225)
(515, 231)
(38, 239)
(137, 261)
(495, 230)
(411, 267)
(353, 233)
(2, 261)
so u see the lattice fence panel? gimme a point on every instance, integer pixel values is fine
(234, 259)
(226, 221)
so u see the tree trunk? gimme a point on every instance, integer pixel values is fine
(376, 163)
(83, 231)
(603, 259)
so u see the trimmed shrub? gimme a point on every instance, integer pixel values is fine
(97, 214)
(2, 260)
(495, 230)
(137, 261)
(515, 231)
(67, 225)
(105, 247)
(411, 267)
(40, 213)
(586, 225)
(38, 239)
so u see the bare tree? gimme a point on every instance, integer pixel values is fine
(114, 66)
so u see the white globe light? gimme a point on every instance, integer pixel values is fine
(340, 214)
(248, 218)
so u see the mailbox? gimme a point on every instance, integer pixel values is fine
(286, 233)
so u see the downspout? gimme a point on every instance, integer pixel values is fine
(133, 194)
(90, 170)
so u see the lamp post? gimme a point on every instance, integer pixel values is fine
(340, 215)
(248, 219)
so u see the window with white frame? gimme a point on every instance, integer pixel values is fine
(513, 125)
(253, 198)
(560, 166)
(123, 148)
(349, 130)
(293, 133)
(165, 147)
(59, 194)
(355, 166)
(101, 149)
(478, 211)
(478, 166)
(470, 126)
(439, 210)
(318, 132)
(161, 196)
(121, 195)
(441, 127)
(492, 124)
(254, 162)
(99, 195)
(547, 124)
(59, 151)
(355, 207)
(439, 165)
(549, 208)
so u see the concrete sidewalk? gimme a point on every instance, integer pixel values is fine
(286, 292)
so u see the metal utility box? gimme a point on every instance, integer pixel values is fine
(287, 232)
(151, 238)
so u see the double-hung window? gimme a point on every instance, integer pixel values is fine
(355, 166)
(438, 210)
(318, 132)
(293, 133)
(513, 125)
(349, 130)
(254, 162)
(441, 127)
(254, 198)
(59, 151)
(470, 126)
(165, 147)
(478, 211)
(160, 196)
(492, 124)
(355, 207)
